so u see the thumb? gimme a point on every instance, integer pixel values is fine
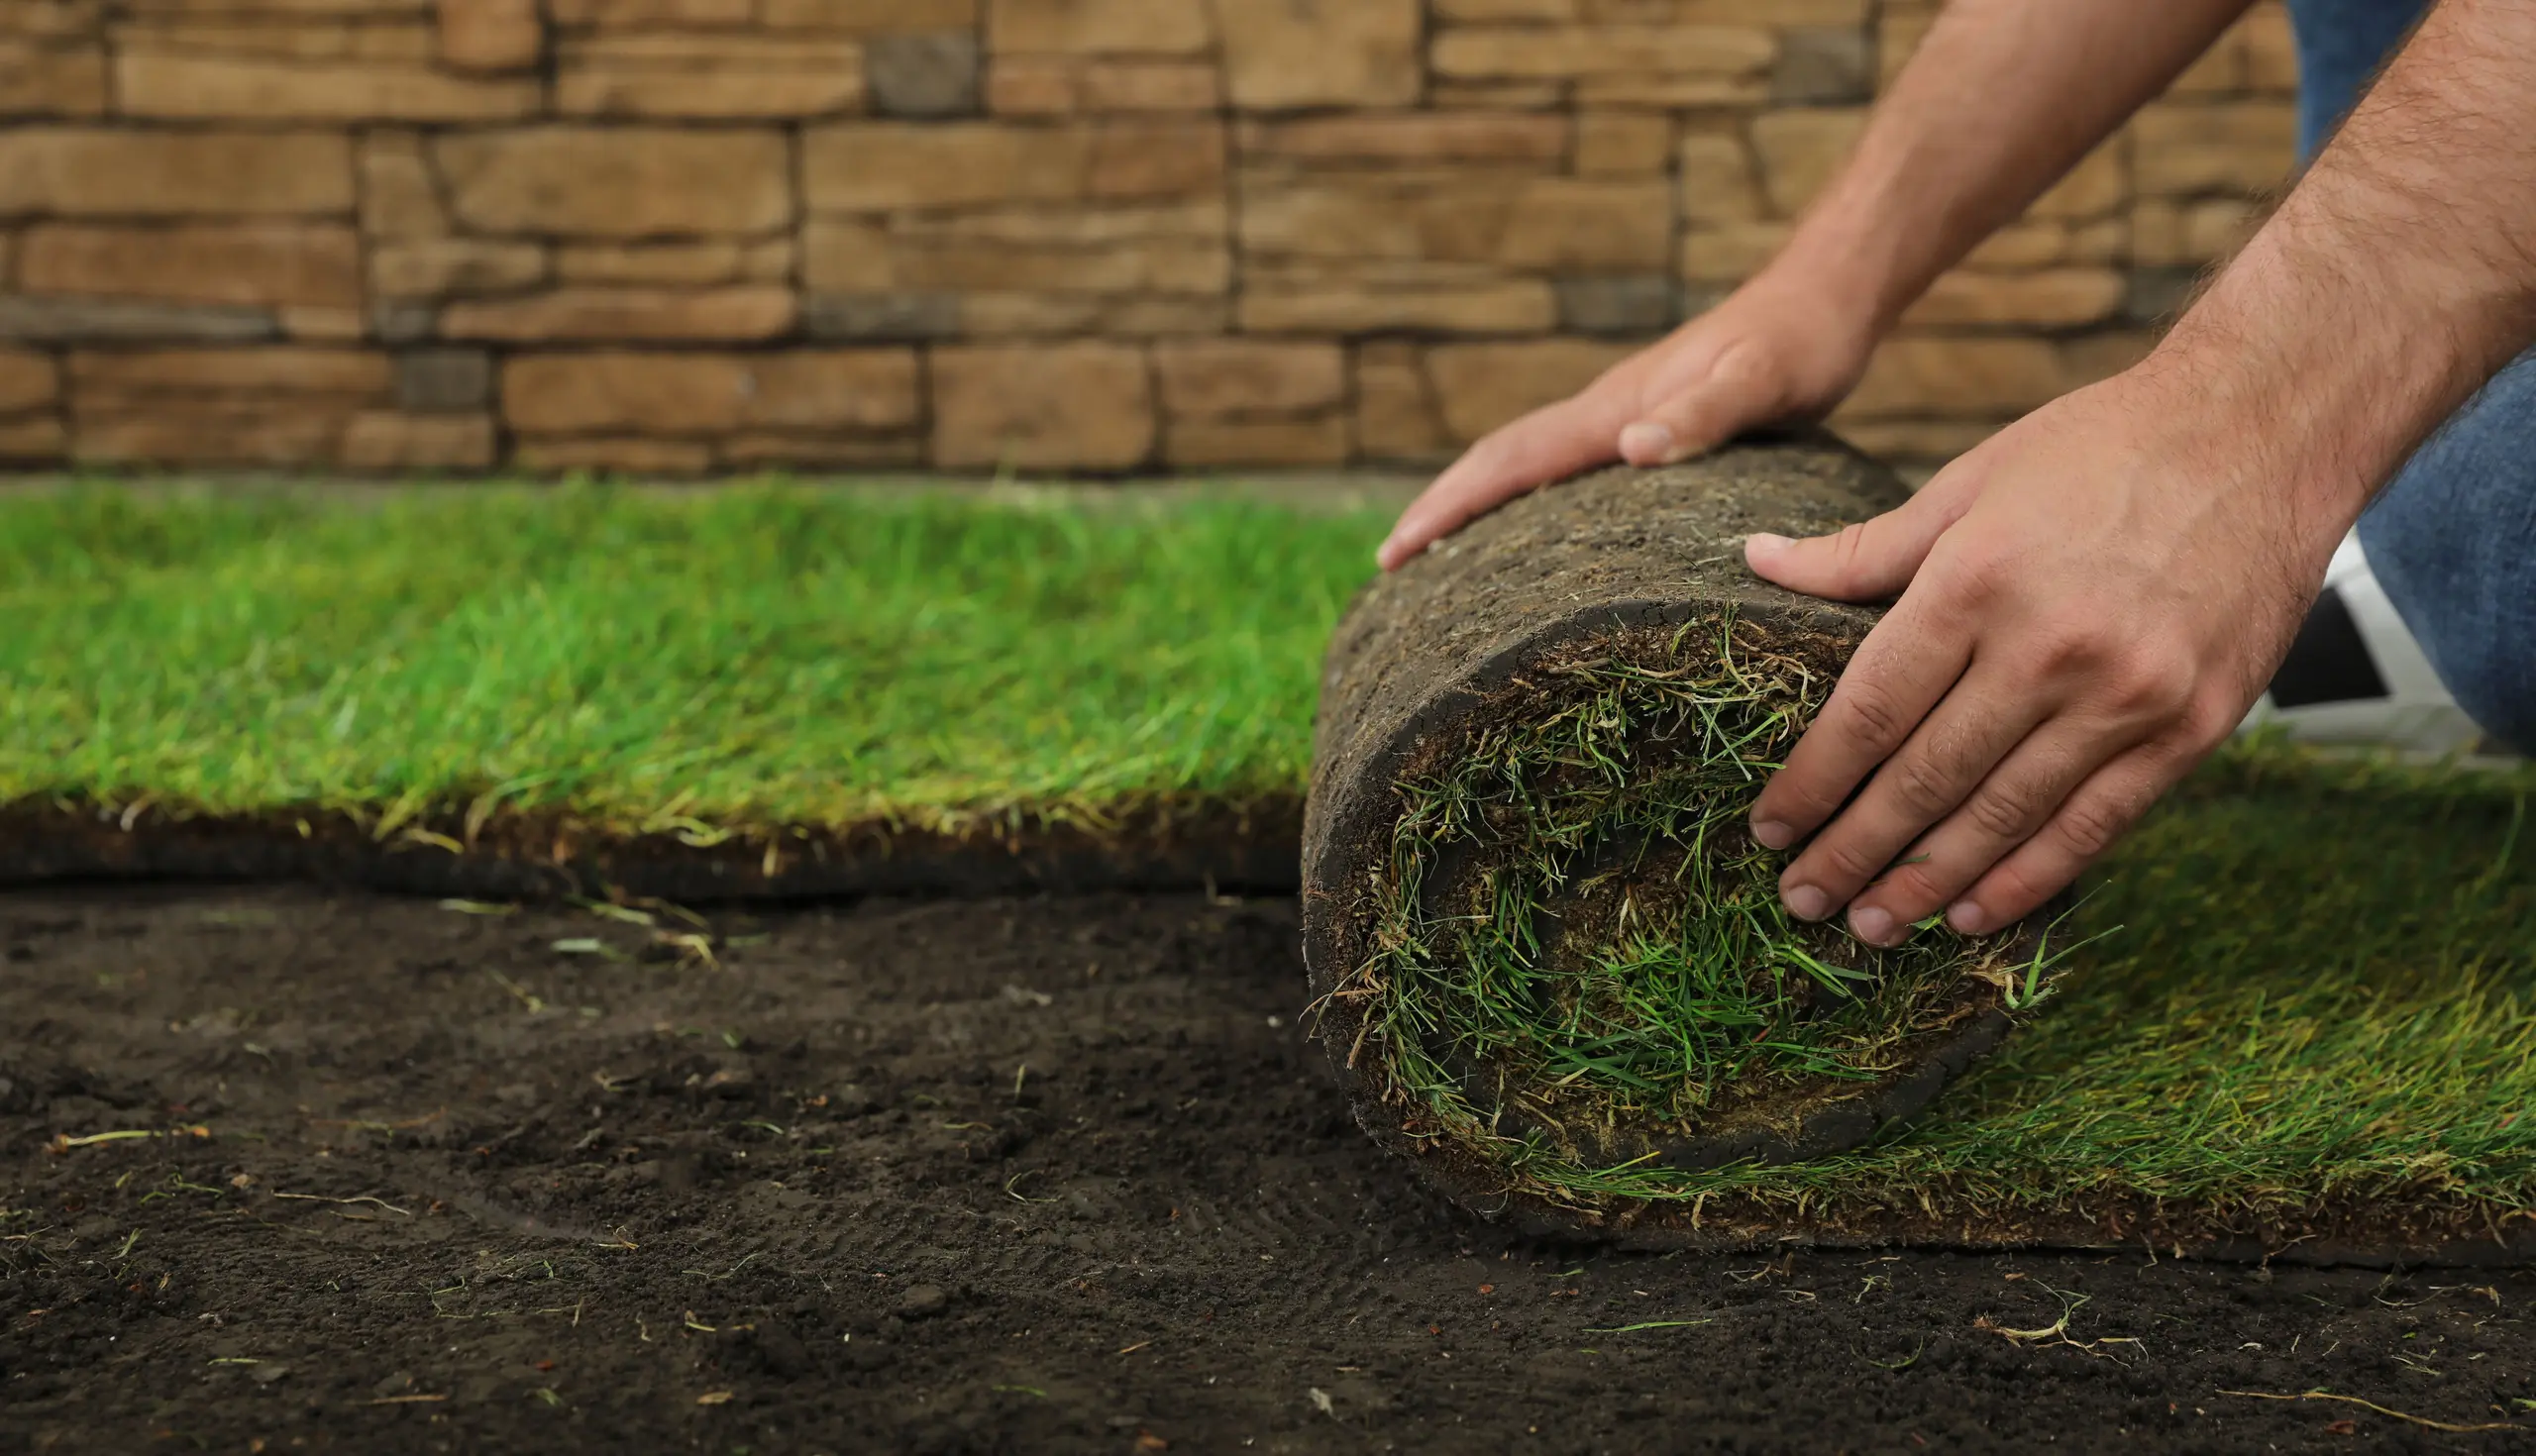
(1700, 418)
(1866, 562)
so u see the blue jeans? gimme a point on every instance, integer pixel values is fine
(2453, 537)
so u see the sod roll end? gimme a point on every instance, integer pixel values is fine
(1544, 950)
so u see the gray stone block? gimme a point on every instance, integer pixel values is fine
(443, 380)
(62, 319)
(400, 322)
(878, 317)
(931, 75)
(1824, 67)
(1641, 304)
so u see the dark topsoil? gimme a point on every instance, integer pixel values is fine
(1005, 1174)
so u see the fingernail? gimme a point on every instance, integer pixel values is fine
(1646, 440)
(1966, 918)
(1765, 543)
(1804, 901)
(1871, 925)
(1772, 834)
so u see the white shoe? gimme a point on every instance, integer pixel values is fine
(2356, 676)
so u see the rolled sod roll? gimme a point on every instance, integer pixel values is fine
(1547, 955)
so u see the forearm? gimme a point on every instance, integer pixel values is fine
(2001, 99)
(2392, 281)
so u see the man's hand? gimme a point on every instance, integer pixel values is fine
(1780, 347)
(2089, 602)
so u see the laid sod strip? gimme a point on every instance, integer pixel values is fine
(727, 671)
(2300, 1012)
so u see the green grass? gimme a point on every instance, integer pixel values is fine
(2322, 991)
(737, 658)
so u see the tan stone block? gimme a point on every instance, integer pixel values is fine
(1623, 143)
(869, 390)
(769, 262)
(672, 263)
(1099, 26)
(2272, 52)
(322, 323)
(1440, 217)
(51, 78)
(1897, 35)
(1320, 439)
(92, 171)
(1420, 138)
(1717, 180)
(1800, 150)
(2100, 185)
(617, 181)
(1373, 300)
(1917, 442)
(205, 433)
(709, 77)
(1034, 85)
(40, 318)
(351, 374)
(1068, 406)
(1138, 250)
(239, 88)
(34, 439)
(1465, 12)
(847, 255)
(606, 315)
(54, 19)
(2217, 71)
(871, 17)
(399, 198)
(2056, 298)
(450, 267)
(1925, 375)
(2021, 244)
(2167, 234)
(2101, 355)
(1671, 52)
(1151, 86)
(763, 451)
(403, 37)
(1320, 53)
(266, 263)
(2242, 147)
(1676, 92)
(29, 380)
(1395, 414)
(615, 456)
(1793, 14)
(490, 35)
(650, 14)
(1730, 253)
(1497, 95)
(887, 166)
(1220, 378)
(384, 440)
(1590, 224)
(1100, 315)
(1480, 386)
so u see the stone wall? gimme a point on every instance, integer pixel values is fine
(677, 236)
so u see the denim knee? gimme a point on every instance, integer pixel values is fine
(2453, 540)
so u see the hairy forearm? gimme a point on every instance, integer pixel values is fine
(2000, 100)
(2393, 280)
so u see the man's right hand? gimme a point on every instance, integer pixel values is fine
(1780, 347)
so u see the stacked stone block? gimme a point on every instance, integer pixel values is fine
(687, 236)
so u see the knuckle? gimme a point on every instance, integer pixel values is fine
(2004, 811)
(1925, 782)
(1874, 715)
(2088, 827)
(1851, 864)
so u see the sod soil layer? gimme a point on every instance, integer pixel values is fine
(1047, 1173)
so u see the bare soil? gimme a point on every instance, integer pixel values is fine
(1005, 1174)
